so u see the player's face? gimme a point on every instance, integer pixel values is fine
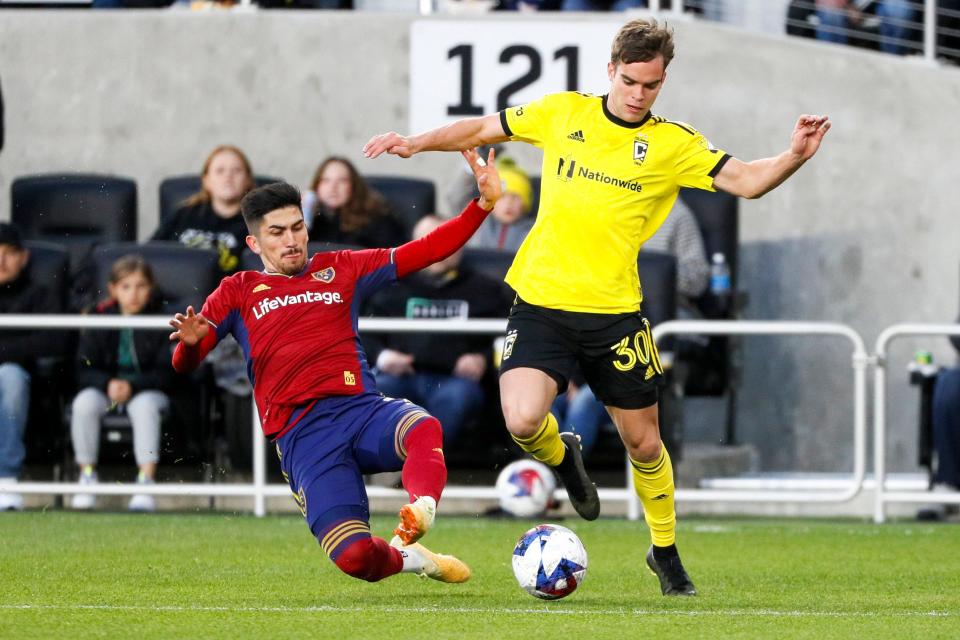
(335, 188)
(281, 241)
(132, 292)
(226, 179)
(634, 87)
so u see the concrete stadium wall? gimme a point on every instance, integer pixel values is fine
(867, 234)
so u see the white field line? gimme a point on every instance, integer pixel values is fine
(729, 613)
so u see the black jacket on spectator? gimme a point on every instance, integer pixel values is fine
(97, 354)
(436, 297)
(383, 230)
(24, 346)
(198, 226)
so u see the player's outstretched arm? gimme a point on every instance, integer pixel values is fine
(754, 179)
(194, 340)
(453, 234)
(461, 135)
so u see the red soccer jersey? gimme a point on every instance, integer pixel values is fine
(299, 333)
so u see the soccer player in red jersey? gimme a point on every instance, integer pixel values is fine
(297, 324)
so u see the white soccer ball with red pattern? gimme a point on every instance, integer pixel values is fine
(549, 562)
(525, 488)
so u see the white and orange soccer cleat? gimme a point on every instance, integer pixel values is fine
(415, 519)
(427, 564)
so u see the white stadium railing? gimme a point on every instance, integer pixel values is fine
(884, 495)
(258, 489)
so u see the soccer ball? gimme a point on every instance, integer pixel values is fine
(525, 488)
(549, 562)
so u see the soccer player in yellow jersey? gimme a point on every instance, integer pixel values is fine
(611, 172)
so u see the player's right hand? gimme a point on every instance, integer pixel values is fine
(190, 329)
(392, 143)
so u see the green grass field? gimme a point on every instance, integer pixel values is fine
(170, 576)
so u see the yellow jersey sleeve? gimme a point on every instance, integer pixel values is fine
(530, 122)
(698, 162)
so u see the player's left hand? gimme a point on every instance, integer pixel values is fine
(808, 134)
(471, 366)
(391, 142)
(488, 179)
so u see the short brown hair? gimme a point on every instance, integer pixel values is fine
(641, 41)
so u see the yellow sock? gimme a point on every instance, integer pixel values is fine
(545, 445)
(653, 482)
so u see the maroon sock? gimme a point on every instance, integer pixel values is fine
(424, 472)
(370, 559)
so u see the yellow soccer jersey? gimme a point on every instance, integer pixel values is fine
(607, 185)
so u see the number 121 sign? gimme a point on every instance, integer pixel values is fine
(460, 69)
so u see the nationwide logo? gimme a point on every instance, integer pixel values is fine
(599, 176)
(260, 287)
(267, 305)
(577, 135)
(326, 275)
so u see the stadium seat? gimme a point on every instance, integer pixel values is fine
(658, 277)
(185, 276)
(491, 262)
(76, 210)
(409, 198)
(175, 189)
(52, 382)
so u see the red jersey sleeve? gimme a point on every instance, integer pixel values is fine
(221, 310)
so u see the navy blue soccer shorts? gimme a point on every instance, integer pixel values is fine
(325, 456)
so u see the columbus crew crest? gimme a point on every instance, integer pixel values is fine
(640, 146)
(325, 275)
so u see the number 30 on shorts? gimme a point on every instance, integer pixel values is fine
(640, 349)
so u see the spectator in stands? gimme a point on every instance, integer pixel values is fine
(946, 426)
(443, 376)
(210, 219)
(342, 209)
(19, 349)
(509, 222)
(835, 19)
(602, 5)
(578, 410)
(895, 18)
(122, 370)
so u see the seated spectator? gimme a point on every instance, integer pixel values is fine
(122, 370)
(443, 376)
(342, 209)
(946, 427)
(895, 32)
(602, 5)
(211, 218)
(19, 349)
(680, 236)
(509, 222)
(578, 411)
(835, 19)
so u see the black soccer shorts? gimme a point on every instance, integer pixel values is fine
(616, 352)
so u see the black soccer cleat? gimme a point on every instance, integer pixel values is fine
(573, 475)
(674, 580)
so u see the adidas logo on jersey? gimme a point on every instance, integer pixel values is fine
(577, 135)
(260, 287)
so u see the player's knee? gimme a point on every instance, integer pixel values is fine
(427, 431)
(358, 561)
(643, 447)
(522, 419)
